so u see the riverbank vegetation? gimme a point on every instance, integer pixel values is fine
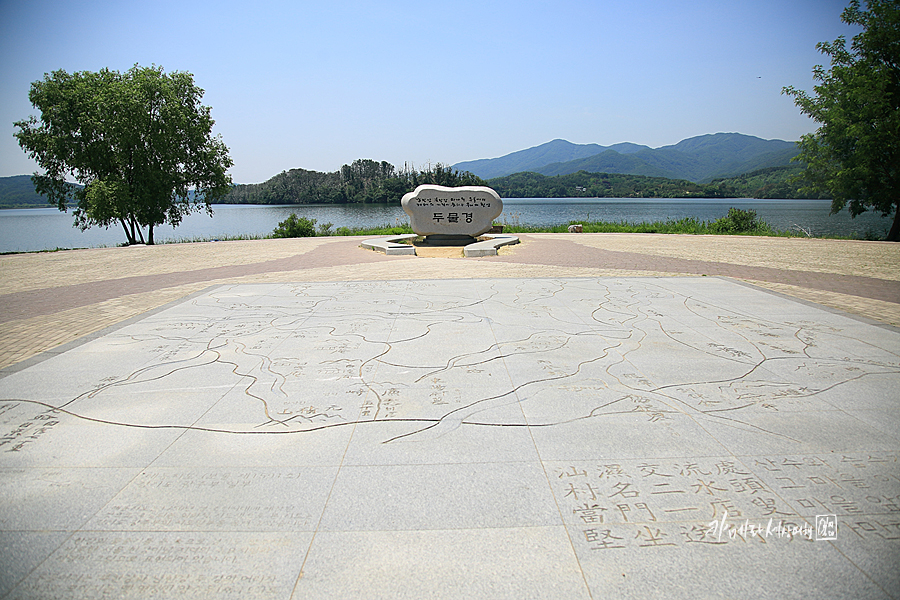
(736, 222)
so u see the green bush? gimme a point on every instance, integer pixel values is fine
(294, 227)
(739, 221)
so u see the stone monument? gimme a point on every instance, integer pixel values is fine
(451, 216)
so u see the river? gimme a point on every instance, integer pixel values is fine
(24, 230)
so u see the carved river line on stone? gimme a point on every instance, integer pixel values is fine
(236, 360)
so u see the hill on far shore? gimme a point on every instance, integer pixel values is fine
(717, 165)
(18, 191)
(699, 159)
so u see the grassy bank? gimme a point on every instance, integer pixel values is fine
(688, 226)
(737, 222)
(682, 226)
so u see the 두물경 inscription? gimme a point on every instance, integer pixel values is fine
(460, 211)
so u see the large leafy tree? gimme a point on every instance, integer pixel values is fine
(855, 154)
(140, 145)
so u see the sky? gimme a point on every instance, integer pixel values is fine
(315, 85)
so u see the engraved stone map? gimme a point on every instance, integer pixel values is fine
(568, 438)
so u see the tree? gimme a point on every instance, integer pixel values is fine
(140, 145)
(855, 154)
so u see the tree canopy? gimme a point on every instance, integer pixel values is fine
(139, 143)
(363, 181)
(855, 154)
(773, 182)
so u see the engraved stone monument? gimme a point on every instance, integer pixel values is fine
(451, 216)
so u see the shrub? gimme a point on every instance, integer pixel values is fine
(294, 227)
(325, 229)
(739, 221)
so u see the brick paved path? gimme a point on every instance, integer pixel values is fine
(31, 303)
(564, 253)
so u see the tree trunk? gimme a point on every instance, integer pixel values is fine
(135, 226)
(129, 236)
(150, 235)
(894, 233)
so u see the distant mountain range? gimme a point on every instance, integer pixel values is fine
(699, 159)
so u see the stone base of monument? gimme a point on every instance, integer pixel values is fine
(449, 240)
(484, 245)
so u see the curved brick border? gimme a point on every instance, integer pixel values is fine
(537, 251)
(564, 253)
(33, 303)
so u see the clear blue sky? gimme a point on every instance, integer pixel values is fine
(316, 85)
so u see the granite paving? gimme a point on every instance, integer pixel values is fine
(254, 430)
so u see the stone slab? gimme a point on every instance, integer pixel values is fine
(392, 246)
(436, 210)
(459, 438)
(489, 246)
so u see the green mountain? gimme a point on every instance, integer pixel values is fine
(18, 191)
(611, 161)
(699, 159)
(773, 182)
(532, 159)
(593, 185)
(770, 182)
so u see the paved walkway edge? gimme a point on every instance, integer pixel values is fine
(829, 309)
(63, 348)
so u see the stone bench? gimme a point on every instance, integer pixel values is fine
(488, 247)
(391, 245)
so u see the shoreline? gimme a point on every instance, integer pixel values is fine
(41, 231)
(515, 230)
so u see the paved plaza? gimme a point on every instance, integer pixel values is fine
(606, 422)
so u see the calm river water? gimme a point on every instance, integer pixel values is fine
(32, 229)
